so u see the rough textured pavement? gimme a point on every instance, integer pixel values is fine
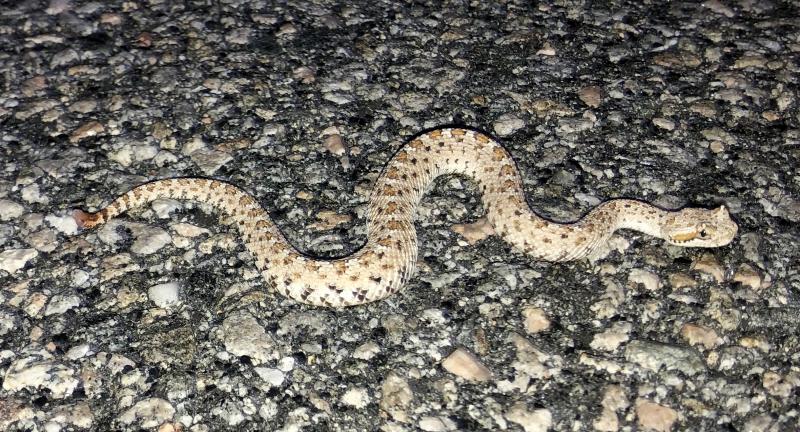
(160, 321)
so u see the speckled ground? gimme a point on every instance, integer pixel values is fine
(159, 320)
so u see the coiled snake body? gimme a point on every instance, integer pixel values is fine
(389, 257)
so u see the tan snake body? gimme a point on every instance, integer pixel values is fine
(389, 257)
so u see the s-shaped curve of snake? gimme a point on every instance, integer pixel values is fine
(389, 257)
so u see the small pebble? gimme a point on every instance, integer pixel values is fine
(664, 123)
(538, 420)
(614, 399)
(507, 124)
(696, 334)
(86, 130)
(271, 376)
(654, 356)
(758, 342)
(705, 109)
(149, 240)
(33, 85)
(396, 395)
(356, 397)
(148, 413)
(244, 336)
(12, 260)
(335, 144)
(111, 19)
(10, 210)
(756, 61)
(210, 161)
(677, 60)
(59, 304)
(286, 29)
(304, 74)
(716, 147)
(474, 232)
(437, 424)
(63, 223)
(83, 106)
(366, 351)
(655, 417)
(535, 319)
(188, 230)
(612, 338)
(464, 364)
(679, 281)
(592, 96)
(33, 373)
(164, 295)
(748, 276)
(709, 265)
(35, 304)
(649, 280)
(717, 6)
(329, 219)
(546, 50)
(32, 194)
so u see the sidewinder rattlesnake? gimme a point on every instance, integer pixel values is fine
(389, 257)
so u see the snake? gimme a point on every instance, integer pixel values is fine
(388, 259)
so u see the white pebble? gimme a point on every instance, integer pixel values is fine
(335, 144)
(188, 230)
(338, 98)
(648, 279)
(148, 413)
(366, 351)
(209, 161)
(655, 417)
(33, 373)
(507, 124)
(464, 364)
(273, 377)
(244, 336)
(32, 194)
(164, 295)
(437, 424)
(268, 410)
(144, 152)
(149, 239)
(535, 319)
(664, 123)
(10, 210)
(63, 223)
(79, 277)
(59, 304)
(108, 233)
(356, 397)
(286, 364)
(12, 260)
(164, 207)
(78, 351)
(612, 338)
(539, 420)
(123, 156)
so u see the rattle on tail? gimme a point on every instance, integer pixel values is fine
(389, 257)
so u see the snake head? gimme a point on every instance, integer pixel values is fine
(695, 227)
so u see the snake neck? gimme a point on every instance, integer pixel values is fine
(631, 214)
(555, 241)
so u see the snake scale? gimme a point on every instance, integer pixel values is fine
(389, 258)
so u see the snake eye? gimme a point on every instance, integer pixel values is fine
(703, 233)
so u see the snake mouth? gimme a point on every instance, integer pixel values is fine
(685, 237)
(699, 233)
